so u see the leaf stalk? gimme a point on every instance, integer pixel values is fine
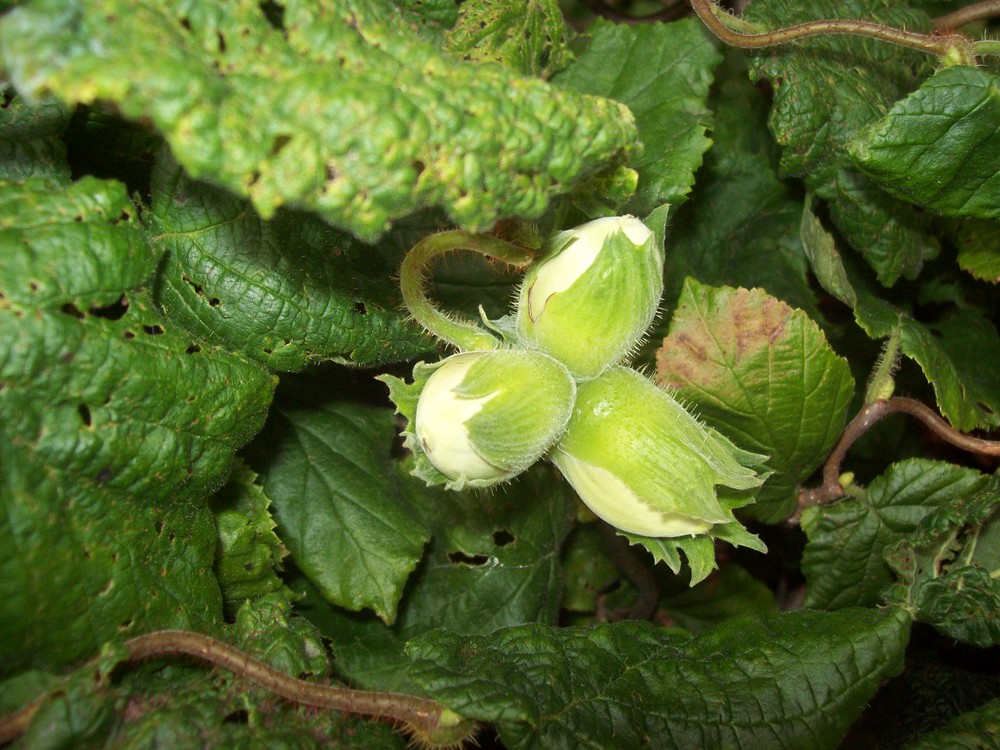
(466, 335)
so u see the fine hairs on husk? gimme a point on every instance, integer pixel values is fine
(459, 736)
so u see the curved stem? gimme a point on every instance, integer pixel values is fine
(421, 714)
(733, 31)
(968, 14)
(870, 414)
(467, 335)
(635, 571)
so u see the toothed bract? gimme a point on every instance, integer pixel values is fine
(480, 418)
(644, 464)
(593, 295)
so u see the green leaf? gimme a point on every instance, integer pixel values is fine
(764, 375)
(825, 90)
(786, 680)
(740, 227)
(970, 731)
(30, 138)
(958, 356)
(249, 554)
(663, 73)
(731, 592)
(949, 567)
(338, 504)
(979, 249)
(493, 561)
(530, 38)
(844, 559)
(288, 292)
(940, 146)
(112, 429)
(363, 121)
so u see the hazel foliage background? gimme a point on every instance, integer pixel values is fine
(203, 207)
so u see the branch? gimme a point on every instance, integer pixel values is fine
(738, 33)
(968, 14)
(869, 415)
(421, 715)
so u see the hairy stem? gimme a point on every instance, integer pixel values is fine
(869, 415)
(422, 714)
(467, 335)
(736, 32)
(968, 14)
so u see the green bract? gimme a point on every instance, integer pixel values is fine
(644, 464)
(589, 301)
(480, 418)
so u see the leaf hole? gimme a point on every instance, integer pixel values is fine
(215, 302)
(279, 143)
(419, 167)
(360, 308)
(158, 526)
(192, 349)
(154, 330)
(70, 309)
(240, 716)
(473, 561)
(274, 13)
(502, 537)
(126, 624)
(32, 287)
(221, 42)
(84, 411)
(186, 23)
(128, 335)
(115, 311)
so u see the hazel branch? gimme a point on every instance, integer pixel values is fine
(970, 13)
(869, 415)
(421, 714)
(466, 335)
(738, 33)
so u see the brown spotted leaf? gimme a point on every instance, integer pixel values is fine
(763, 374)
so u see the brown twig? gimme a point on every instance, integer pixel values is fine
(968, 14)
(420, 714)
(733, 31)
(831, 488)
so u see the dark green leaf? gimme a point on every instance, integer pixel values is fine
(786, 680)
(979, 249)
(963, 375)
(530, 38)
(940, 146)
(949, 567)
(339, 111)
(974, 730)
(662, 72)
(764, 375)
(289, 292)
(825, 90)
(249, 553)
(844, 559)
(740, 226)
(730, 592)
(112, 428)
(30, 138)
(339, 506)
(493, 561)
